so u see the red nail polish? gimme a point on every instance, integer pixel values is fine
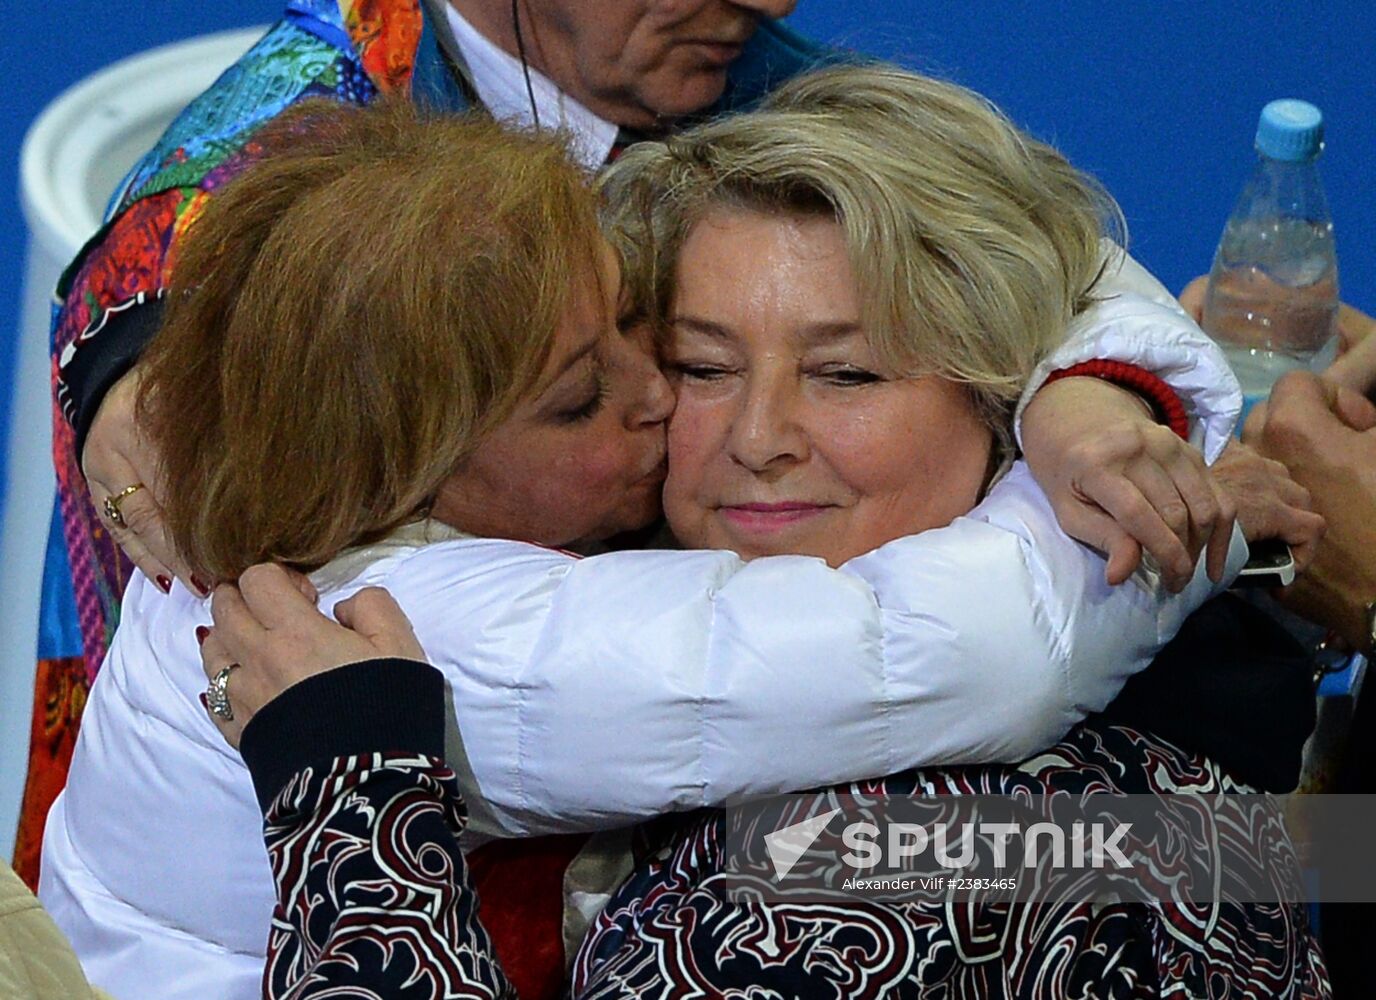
(205, 702)
(202, 633)
(165, 583)
(199, 584)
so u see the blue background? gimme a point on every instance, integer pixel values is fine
(1158, 99)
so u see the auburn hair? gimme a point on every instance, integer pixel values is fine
(347, 318)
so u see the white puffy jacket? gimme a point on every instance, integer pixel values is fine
(591, 693)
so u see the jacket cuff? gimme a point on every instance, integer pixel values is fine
(1165, 405)
(1136, 320)
(101, 356)
(375, 706)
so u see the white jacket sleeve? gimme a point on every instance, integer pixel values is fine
(592, 693)
(1136, 320)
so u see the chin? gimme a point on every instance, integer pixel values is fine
(685, 93)
(639, 516)
(756, 549)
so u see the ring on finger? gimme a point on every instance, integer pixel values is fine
(112, 502)
(217, 694)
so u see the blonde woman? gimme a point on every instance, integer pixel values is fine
(826, 295)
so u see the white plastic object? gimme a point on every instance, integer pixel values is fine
(73, 157)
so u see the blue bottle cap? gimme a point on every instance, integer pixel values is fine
(1290, 130)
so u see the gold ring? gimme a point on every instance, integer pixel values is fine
(112, 503)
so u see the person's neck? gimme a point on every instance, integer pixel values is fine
(542, 44)
(492, 20)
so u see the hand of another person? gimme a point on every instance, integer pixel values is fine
(1354, 326)
(1355, 367)
(270, 627)
(121, 472)
(1122, 483)
(1192, 298)
(1324, 434)
(1269, 503)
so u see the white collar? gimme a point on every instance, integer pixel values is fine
(348, 564)
(501, 85)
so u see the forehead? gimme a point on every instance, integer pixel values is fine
(588, 311)
(732, 235)
(758, 263)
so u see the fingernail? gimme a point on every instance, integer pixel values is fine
(165, 583)
(199, 584)
(205, 702)
(202, 633)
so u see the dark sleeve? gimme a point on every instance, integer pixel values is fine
(377, 705)
(1233, 685)
(110, 302)
(102, 357)
(362, 825)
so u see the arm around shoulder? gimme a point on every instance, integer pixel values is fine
(589, 694)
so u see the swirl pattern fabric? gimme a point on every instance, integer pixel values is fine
(373, 891)
(671, 930)
(376, 901)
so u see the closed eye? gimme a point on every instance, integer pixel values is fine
(697, 371)
(846, 375)
(588, 407)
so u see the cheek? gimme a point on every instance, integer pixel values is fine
(652, 41)
(925, 463)
(592, 471)
(567, 496)
(675, 19)
(696, 432)
(618, 52)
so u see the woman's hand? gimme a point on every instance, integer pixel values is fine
(269, 626)
(121, 466)
(1122, 483)
(1270, 504)
(1354, 326)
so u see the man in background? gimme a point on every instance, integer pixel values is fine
(1324, 430)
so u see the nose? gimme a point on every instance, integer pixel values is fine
(767, 8)
(766, 432)
(654, 400)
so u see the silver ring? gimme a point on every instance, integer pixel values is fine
(217, 695)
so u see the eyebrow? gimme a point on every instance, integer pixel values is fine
(810, 335)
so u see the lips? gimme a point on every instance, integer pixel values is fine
(764, 518)
(658, 471)
(775, 508)
(718, 53)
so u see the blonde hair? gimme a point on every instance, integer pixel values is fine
(972, 244)
(347, 319)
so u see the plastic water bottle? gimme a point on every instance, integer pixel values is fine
(1272, 299)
